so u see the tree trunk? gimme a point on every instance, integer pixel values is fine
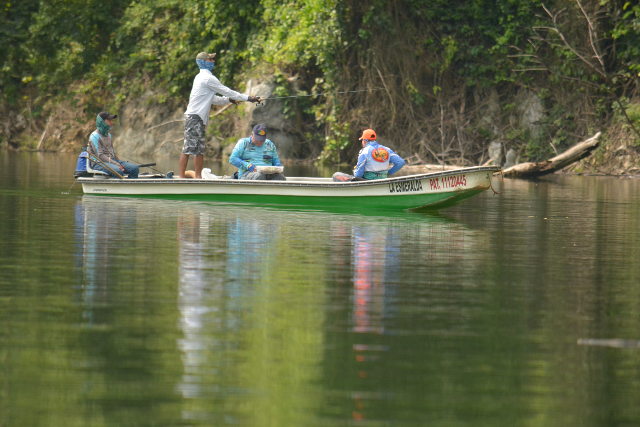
(562, 160)
(527, 169)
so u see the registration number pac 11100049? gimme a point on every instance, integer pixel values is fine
(446, 182)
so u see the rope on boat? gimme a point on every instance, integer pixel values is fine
(69, 189)
(491, 182)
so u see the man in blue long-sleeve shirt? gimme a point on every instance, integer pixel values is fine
(373, 160)
(253, 151)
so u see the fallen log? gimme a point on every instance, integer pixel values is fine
(526, 169)
(562, 160)
(418, 169)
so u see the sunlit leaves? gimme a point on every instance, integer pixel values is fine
(300, 33)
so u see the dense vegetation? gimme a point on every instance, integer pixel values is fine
(440, 78)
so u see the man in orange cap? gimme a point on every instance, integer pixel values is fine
(373, 160)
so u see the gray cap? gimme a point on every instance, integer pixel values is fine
(107, 116)
(206, 56)
(260, 132)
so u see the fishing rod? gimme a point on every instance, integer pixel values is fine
(95, 159)
(148, 165)
(144, 165)
(321, 94)
(275, 97)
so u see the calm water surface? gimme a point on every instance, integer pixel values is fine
(118, 312)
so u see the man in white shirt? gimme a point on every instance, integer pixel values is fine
(204, 92)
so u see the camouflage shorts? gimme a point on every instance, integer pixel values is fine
(193, 135)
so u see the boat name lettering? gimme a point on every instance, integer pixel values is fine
(404, 186)
(99, 190)
(445, 182)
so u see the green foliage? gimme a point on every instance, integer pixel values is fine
(61, 49)
(425, 53)
(626, 35)
(298, 34)
(158, 41)
(416, 97)
(337, 140)
(633, 112)
(284, 90)
(627, 114)
(15, 17)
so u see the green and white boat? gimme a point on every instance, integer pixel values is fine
(422, 191)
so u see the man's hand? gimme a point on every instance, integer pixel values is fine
(255, 99)
(251, 167)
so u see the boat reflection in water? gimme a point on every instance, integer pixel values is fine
(101, 233)
(262, 294)
(194, 292)
(378, 256)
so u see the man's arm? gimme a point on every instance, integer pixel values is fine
(397, 162)
(214, 84)
(358, 171)
(221, 100)
(236, 155)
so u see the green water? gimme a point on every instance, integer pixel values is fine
(134, 312)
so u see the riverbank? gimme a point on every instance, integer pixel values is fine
(617, 154)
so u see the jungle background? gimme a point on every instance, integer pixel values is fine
(440, 80)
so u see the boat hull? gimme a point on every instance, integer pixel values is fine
(407, 192)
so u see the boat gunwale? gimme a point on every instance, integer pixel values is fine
(288, 182)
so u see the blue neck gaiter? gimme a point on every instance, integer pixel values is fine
(205, 65)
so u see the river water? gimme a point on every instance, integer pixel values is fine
(517, 308)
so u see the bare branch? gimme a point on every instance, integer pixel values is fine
(393, 106)
(426, 146)
(525, 70)
(597, 54)
(576, 53)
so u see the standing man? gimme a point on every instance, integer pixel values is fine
(101, 146)
(256, 150)
(373, 160)
(203, 95)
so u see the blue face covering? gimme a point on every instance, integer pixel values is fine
(205, 65)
